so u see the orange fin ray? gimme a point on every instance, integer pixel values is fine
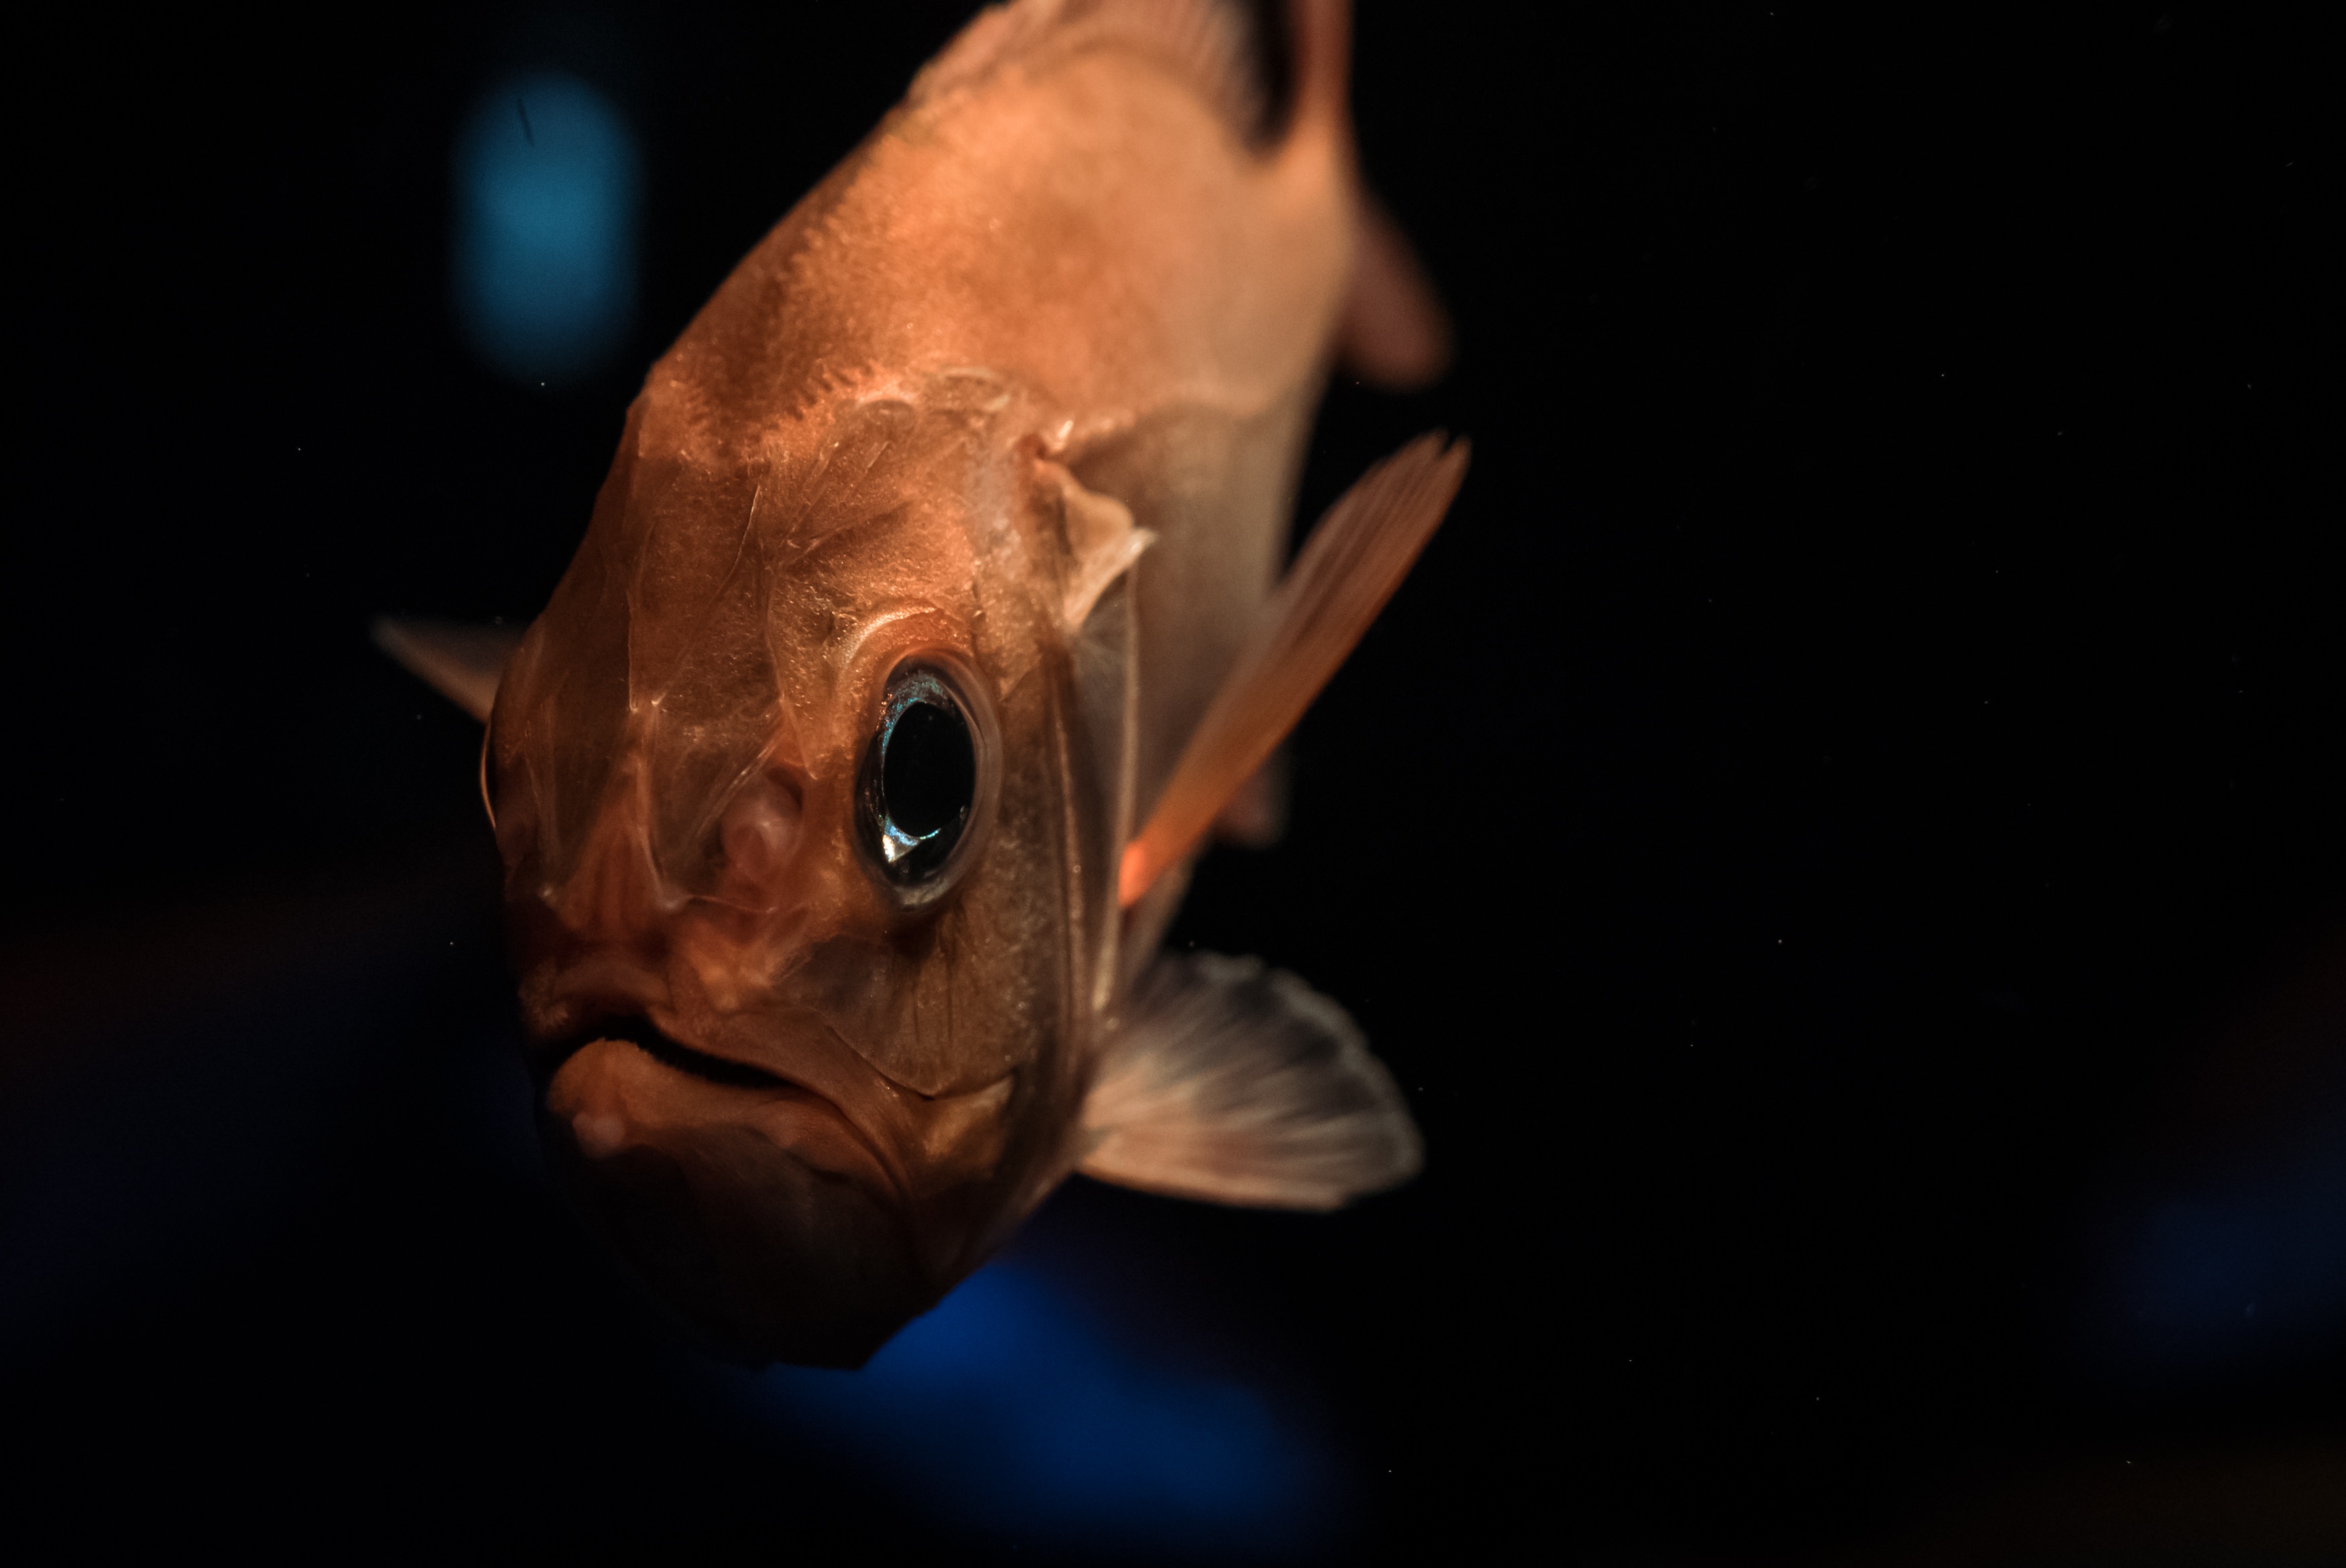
(462, 663)
(1350, 566)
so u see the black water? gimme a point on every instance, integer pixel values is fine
(1841, 838)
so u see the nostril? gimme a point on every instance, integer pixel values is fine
(760, 832)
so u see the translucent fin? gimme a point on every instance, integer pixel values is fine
(1256, 817)
(1350, 566)
(1396, 333)
(1240, 1085)
(462, 663)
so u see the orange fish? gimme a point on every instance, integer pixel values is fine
(930, 618)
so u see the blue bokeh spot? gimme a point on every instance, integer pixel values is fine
(2247, 1268)
(1008, 1409)
(547, 189)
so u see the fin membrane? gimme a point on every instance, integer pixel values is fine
(1346, 571)
(1394, 333)
(462, 663)
(1256, 817)
(1240, 1085)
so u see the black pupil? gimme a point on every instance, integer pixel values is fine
(928, 770)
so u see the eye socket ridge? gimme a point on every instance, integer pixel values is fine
(920, 787)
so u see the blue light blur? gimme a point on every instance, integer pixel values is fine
(1009, 1409)
(2249, 1268)
(547, 186)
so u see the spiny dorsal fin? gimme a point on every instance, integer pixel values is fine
(1350, 566)
(1240, 1085)
(462, 663)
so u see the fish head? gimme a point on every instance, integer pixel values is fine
(796, 865)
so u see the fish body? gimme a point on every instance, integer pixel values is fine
(931, 609)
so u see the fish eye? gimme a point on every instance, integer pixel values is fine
(918, 788)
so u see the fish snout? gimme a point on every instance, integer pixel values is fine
(639, 866)
(749, 1205)
(612, 896)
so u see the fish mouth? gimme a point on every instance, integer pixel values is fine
(798, 1116)
(662, 1046)
(750, 1204)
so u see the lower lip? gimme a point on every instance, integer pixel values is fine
(796, 1120)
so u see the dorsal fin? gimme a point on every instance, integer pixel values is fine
(1233, 51)
(1350, 566)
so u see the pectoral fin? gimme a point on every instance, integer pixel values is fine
(1346, 571)
(462, 663)
(1240, 1085)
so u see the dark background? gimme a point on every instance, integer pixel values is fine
(1842, 838)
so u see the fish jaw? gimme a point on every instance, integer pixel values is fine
(784, 1197)
(753, 1210)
